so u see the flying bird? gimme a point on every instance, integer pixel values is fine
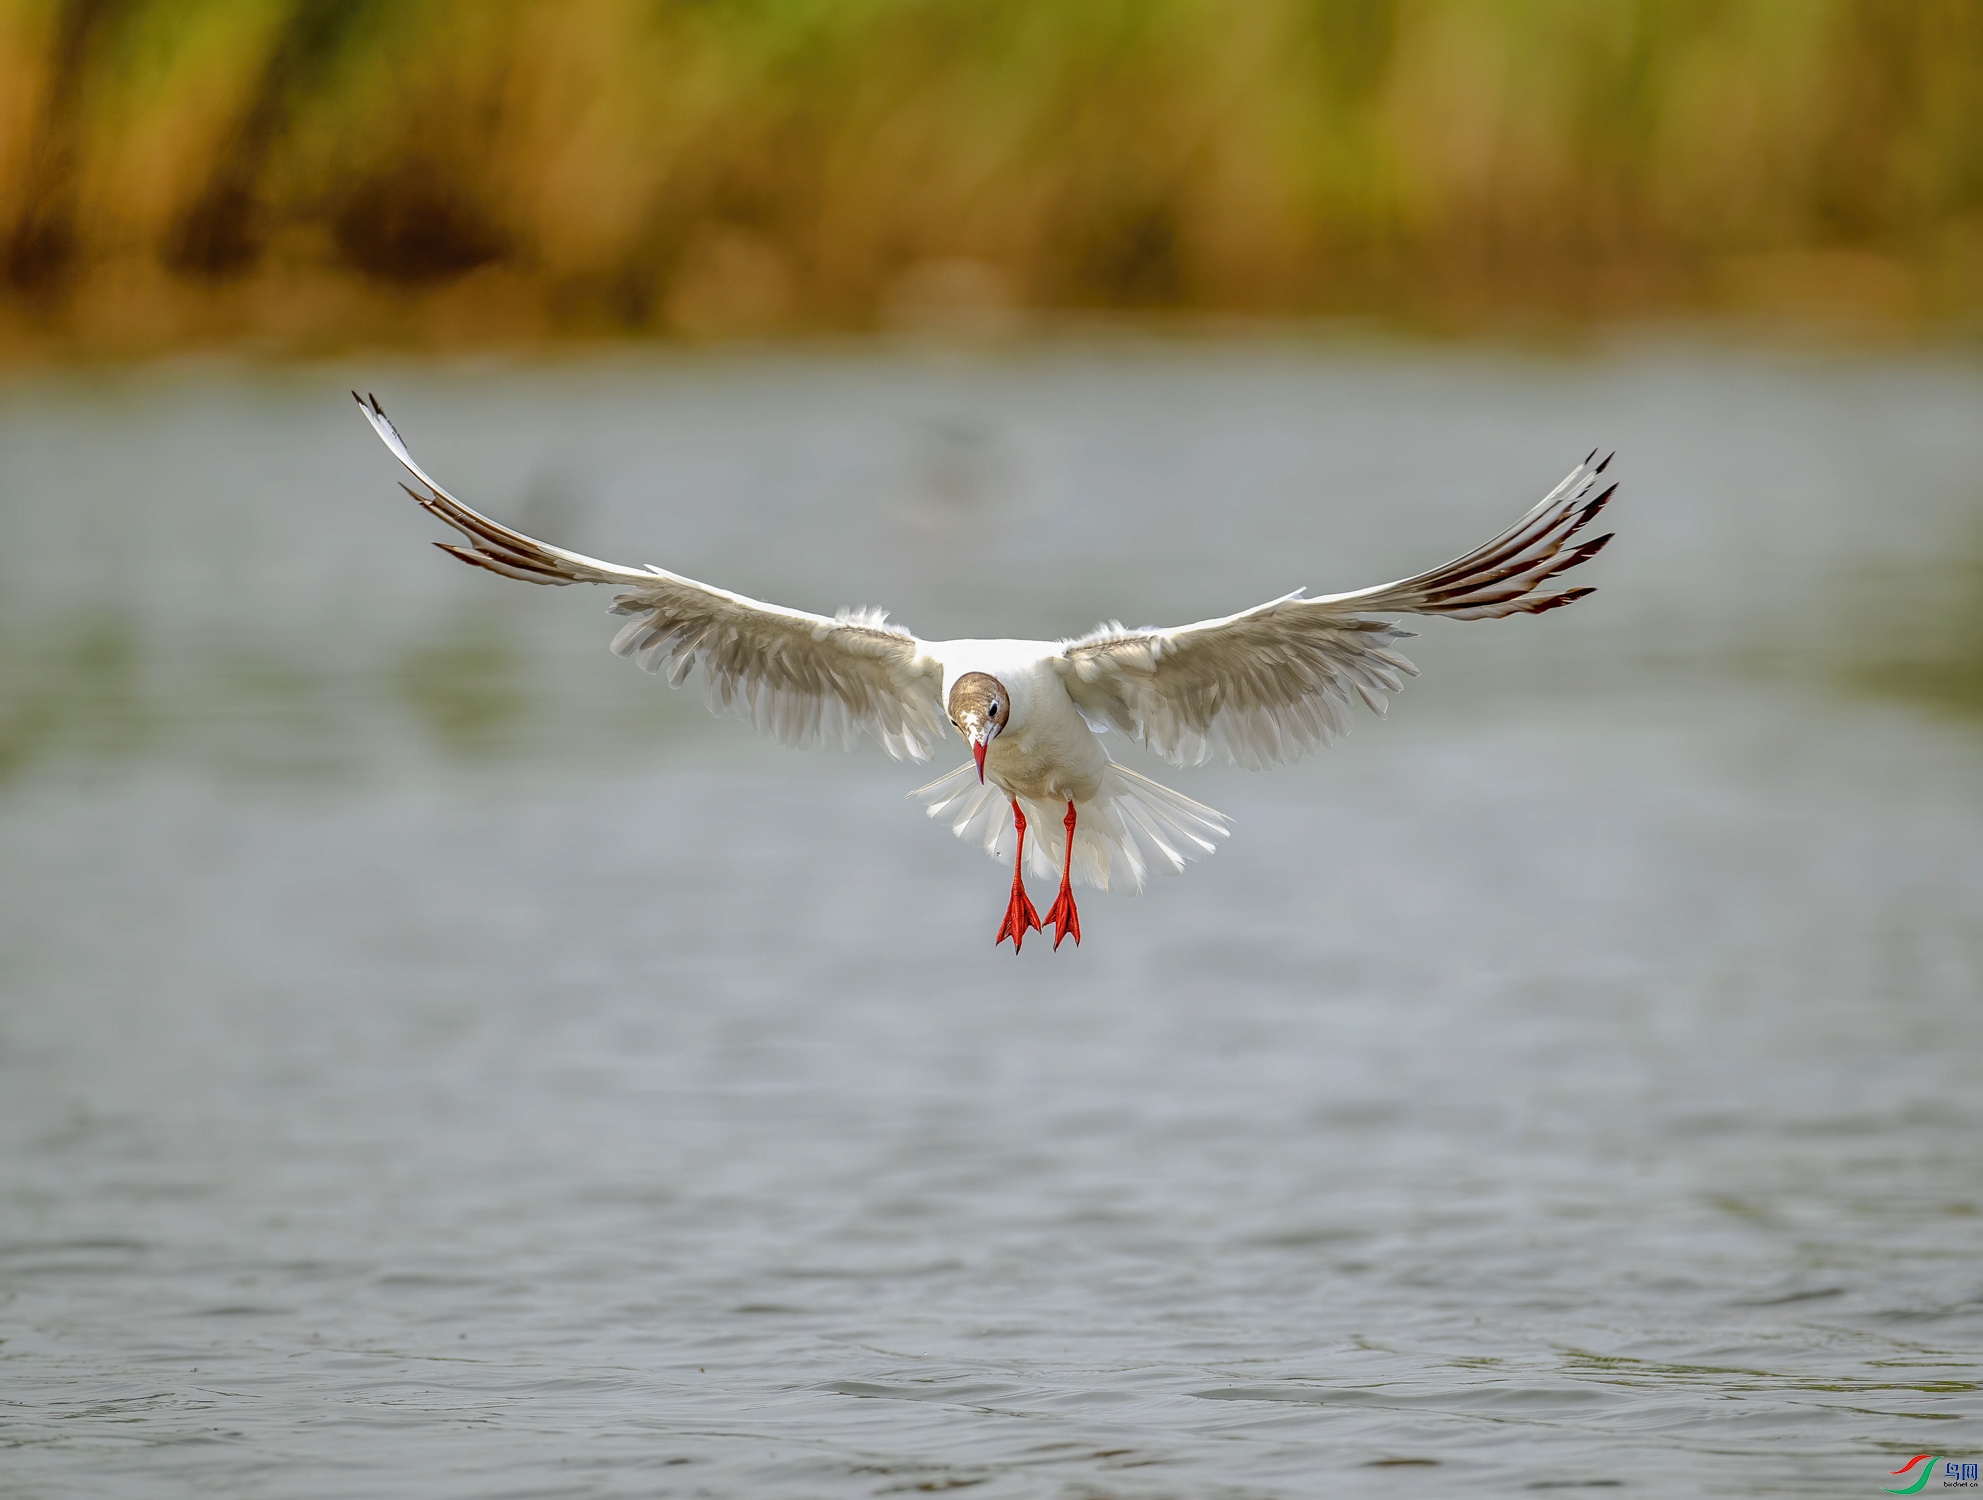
(1264, 686)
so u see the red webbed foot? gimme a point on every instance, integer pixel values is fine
(1020, 917)
(1062, 916)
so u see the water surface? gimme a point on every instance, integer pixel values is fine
(436, 1061)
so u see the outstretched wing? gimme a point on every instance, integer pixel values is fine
(1277, 681)
(804, 678)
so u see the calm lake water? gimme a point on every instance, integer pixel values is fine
(436, 1061)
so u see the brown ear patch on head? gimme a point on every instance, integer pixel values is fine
(980, 692)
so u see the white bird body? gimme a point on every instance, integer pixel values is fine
(1048, 756)
(1048, 752)
(1262, 686)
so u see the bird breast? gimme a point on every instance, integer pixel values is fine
(1047, 751)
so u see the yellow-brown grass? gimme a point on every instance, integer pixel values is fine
(306, 173)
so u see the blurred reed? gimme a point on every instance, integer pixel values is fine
(318, 172)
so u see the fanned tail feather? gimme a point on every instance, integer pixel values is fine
(1131, 827)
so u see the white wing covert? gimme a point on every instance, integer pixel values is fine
(1277, 681)
(803, 678)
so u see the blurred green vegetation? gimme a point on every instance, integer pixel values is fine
(1929, 649)
(320, 172)
(73, 692)
(466, 686)
(95, 690)
(90, 689)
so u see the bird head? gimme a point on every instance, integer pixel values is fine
(980, 707)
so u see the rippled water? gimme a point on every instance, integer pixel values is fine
(437, 1062)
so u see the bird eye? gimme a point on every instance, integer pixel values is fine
(994, 708)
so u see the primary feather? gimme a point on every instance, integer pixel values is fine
(803, 678)
(1276, 681)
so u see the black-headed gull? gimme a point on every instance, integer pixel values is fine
(1266, 685)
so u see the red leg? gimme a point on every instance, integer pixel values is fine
(1062, 914)
(1020, 917)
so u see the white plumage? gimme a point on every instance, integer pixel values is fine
(1131, 826)
(1257, 688)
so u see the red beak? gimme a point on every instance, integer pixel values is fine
(978, 748)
